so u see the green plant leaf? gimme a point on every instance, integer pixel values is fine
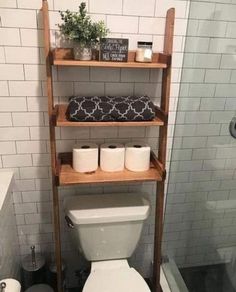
(79, 27)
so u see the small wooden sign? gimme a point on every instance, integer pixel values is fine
(114, 50)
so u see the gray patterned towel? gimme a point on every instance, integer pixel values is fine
(108, 108)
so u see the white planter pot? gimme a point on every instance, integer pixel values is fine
(82, 53)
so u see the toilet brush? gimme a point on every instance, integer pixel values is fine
(33, 269)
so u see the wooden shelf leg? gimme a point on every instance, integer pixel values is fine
(158, 236)
(162, 150)
(57, 237)
(56, 209)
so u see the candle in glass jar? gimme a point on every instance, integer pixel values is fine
(144, 52)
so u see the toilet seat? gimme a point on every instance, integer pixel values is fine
(124, 279)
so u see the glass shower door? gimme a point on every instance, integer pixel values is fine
(200, 217)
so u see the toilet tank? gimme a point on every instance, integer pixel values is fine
(107, 226)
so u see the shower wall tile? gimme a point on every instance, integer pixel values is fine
(16, 104)
(202, 60)
(31, 37)
(212, 104)
(7, 148)
(207, 28)
(22, 55)
(231, 30)
(105, 6)
(134, 7)
(225, 90)
(32, 4)
(197, 117)
(228, 62)
(8, 3)
(225, 12)
(198, 45)
(217, 76)
(163, 5)
(4, 88)
(154, 25)
(198, 90)
(24, 147)
(11, 134)
(233, 76)
(123, 24)
(222, 46)
(8, 71)
(201, 10)
(17, 18)
(28, 119)
(17, 160)
(64, 4)
(2, 55)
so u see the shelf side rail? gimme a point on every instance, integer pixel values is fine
(56, 214)
(162, 149)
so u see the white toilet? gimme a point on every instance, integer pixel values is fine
(107, 229)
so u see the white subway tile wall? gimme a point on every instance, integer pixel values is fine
(200, 212)
(209, 65)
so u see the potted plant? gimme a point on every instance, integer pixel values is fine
(85, 33)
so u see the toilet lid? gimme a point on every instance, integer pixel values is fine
(116, 280)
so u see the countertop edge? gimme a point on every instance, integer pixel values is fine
(6, 185)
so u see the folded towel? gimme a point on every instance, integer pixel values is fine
(108, 108)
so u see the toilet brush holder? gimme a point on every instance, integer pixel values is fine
(33, 269)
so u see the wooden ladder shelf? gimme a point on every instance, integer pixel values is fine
(62, 171)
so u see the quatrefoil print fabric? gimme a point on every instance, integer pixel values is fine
(110, 108)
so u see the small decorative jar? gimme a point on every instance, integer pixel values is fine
(144, 52)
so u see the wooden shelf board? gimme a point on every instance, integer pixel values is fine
(67, 175)
(109, 64)
(61, 121)
(64, 57)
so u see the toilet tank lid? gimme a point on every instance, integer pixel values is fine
(107, 208)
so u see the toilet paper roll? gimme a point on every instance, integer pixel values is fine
(11, 285)
(85, 157)
(137, 156)
(112, 157)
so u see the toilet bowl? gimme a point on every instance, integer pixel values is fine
(106, 229)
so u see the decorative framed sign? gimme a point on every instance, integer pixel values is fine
(114, 50)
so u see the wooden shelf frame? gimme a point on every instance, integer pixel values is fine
(62, 172)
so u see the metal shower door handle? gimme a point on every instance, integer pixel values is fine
(69, 222)
(232, 127)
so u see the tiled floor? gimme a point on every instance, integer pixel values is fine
(207, 279)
